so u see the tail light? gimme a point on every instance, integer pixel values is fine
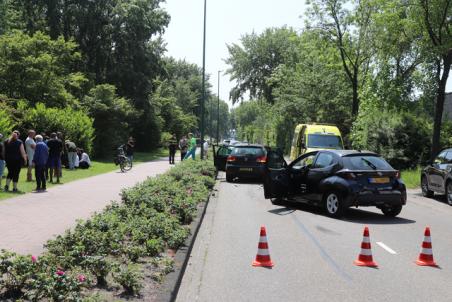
(397, 174)
(261, 159)
(348, 175)
(231, 158)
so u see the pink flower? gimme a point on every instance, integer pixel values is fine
(34, 259)
(81, 278)
(60, 272)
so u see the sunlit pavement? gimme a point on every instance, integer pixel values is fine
(314, 254)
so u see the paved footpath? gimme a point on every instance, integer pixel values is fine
(28, 221)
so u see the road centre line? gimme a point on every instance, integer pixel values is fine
(387, 248)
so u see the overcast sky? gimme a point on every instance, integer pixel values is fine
(227, 21)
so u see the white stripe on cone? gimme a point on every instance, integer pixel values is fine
(263, 252)
(366, 252)
(366, 239)
(263, 239)
(427, 239)
(427, 251)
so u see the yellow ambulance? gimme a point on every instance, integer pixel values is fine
(312, 137)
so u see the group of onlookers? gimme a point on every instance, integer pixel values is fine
(186, 146)
(43, 153)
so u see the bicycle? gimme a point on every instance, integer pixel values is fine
(125, 164)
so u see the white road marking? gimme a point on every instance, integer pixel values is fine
(387, 248)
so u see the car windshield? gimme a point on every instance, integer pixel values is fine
(324, 141)
(251, 151)
(366, 162)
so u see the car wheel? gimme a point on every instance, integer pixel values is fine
(333, 204)
(229, 177)
(424, 185)
(392, 211)
(449, 192)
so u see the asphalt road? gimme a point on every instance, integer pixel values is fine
(314, 254)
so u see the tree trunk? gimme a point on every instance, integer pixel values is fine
(439, 106)
(355, 103)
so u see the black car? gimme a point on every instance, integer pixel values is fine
(242, 161)
(437, 177)
(336, 180)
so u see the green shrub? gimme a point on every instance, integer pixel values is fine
(151, 218)
(403, 139)
(6, 123)
(75, 125)
(129, 276)
(109, 111)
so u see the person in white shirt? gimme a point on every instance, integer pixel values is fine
(206, 149)
(30, 146)
(76, 161)
(85, 162)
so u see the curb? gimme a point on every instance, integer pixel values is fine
(170, 287)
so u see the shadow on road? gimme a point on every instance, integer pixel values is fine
(243, 181)
(366, 217)
(351, 215)
(436, 197)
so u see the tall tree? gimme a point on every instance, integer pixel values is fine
(436, 19)
(253, 62)
(350, 30)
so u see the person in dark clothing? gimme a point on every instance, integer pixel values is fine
(55, 149)
(40, 160)
(2, 159)
(63, 155)
(15, 157)
(172, 146)
(183, 146)
(130, 146)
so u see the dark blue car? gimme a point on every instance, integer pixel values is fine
(336, 180)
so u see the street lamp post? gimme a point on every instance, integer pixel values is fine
(218, 109)
(203, 82)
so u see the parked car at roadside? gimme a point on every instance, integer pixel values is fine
(437, 176)
(335, 180)
(243, 161)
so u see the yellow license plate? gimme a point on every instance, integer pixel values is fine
(379, 180)
(246, 169)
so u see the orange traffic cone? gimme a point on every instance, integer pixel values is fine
(263, 256)
(426, 256)
(365, 257)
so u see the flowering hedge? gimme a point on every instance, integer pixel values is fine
(110, 248)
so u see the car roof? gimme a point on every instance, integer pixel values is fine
(249, 145)
(344, 153)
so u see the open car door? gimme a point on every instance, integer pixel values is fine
(220, 157)
(276, 178)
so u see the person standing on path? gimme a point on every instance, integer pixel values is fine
(40, 158)
(172, 146)
(30, 146)
(192, 147)
(71, 149)
(15, 156)
(63, 155)
(55, 148)
(183, 147)
(2, 159)
(206, 149)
